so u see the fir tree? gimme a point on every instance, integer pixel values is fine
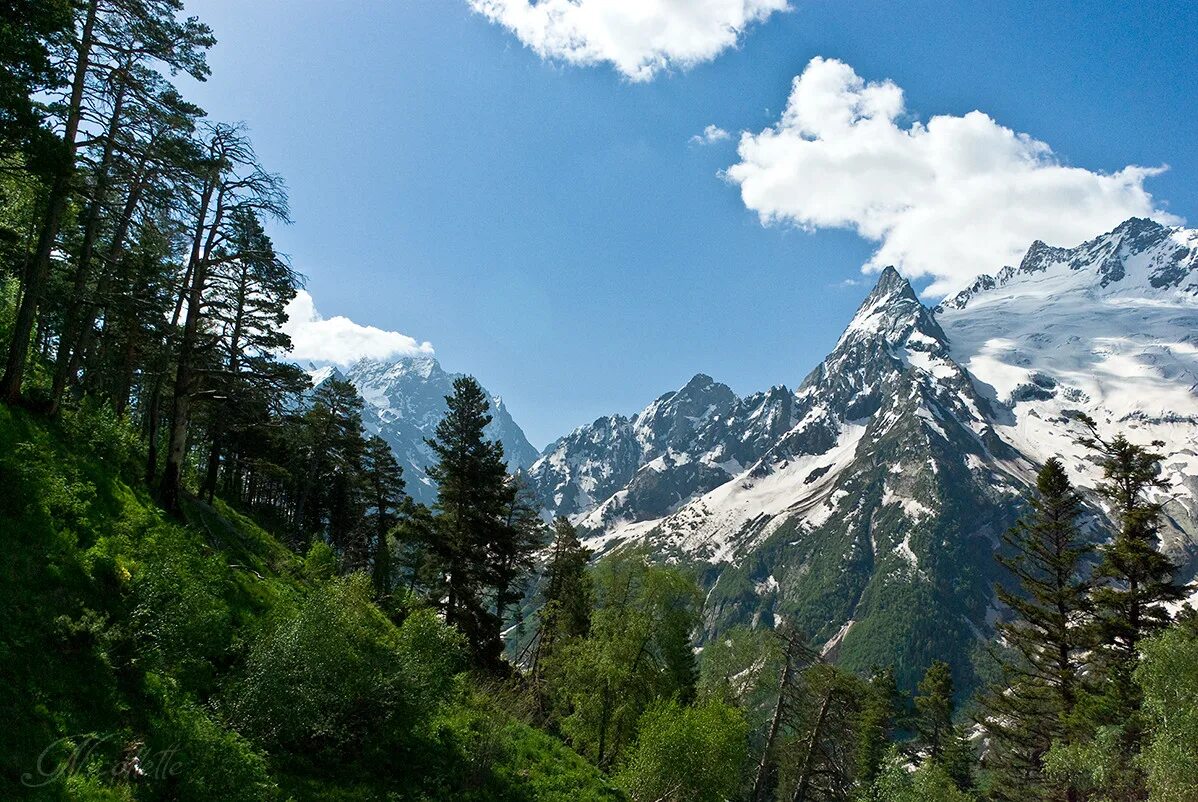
(1026, 711)
(472, 507)
(1133, 580)
(876, 723)
(941, 742)
(522, 534)
(1131, 586)
(385, 496)
(567, 597)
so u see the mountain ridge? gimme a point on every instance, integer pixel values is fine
(404, 400)
(899, 459)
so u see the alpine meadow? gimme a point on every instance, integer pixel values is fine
(928, 532)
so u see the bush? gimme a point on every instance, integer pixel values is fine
(687, 754)
(188, 756)
(112, 441)
(180, 619)
(336, 680)
(321, 562)
(1169, 676)
(929, 783)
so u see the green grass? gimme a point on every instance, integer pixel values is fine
(124, 633)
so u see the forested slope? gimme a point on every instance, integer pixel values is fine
(141, 658)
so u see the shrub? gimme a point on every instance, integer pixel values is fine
(334, 679)
(687, 754)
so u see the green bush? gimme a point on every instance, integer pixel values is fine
(928, 783)
(1168, 675)
(180, 620)
(687, 754)
(189, 756)
(336, 680)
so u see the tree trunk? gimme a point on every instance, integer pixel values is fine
(763, 767)
(72, 322)
(185, 375)
(800, 794)
(38, 271)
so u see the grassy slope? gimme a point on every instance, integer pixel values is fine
(119, 630)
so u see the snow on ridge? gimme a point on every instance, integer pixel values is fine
(1109, 328)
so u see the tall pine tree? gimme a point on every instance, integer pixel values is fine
(385, 496)
(1132, 584)
(472, 508)
(1027, 709)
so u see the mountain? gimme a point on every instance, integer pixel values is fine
(1109, 328)
(865, 506)
(404, 402)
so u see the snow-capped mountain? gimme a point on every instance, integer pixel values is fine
(866, 504)
(1109, 328)
(404, 402)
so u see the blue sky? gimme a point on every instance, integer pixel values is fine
(554, 230)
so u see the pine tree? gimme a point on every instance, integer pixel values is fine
(473, 502)
(328, 499)
(1133, 580)
(1131, 586)
(27, 71)
(1027, 709)
(228, 183)
(567, 597)
(247, 309)
(942, 742)
(520, 537)
(385, 497)
(876, 724)
(109, 38)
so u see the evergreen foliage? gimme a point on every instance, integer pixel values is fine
(1044, 641)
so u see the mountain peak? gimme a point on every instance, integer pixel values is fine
(891, 310)
(890, 283)
(698, 382)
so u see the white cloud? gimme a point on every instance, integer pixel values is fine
(711, 134)
(949, 199)
(640, 38)
(339, 340)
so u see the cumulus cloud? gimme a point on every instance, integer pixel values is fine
(711, 134)
(339, 340)
(946, 199)
(640, 38)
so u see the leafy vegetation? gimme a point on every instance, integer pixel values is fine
(215, 588)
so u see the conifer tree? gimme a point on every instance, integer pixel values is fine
(567, 597)
(472, 507)
(330, 463)
(941, 742)
(1132, 583)
(229, 183)
(1133, 580)
(385, 497)
(1026, 711)
(879, 710)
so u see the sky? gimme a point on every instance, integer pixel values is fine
(583, 203)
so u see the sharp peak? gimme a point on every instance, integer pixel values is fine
(1134, 226)
(890, 283)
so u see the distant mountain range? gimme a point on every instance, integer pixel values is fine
(404, 402)
(866, 504)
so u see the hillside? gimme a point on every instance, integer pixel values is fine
(134, 654)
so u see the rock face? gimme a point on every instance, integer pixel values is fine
(865, 506)
(405, 400)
